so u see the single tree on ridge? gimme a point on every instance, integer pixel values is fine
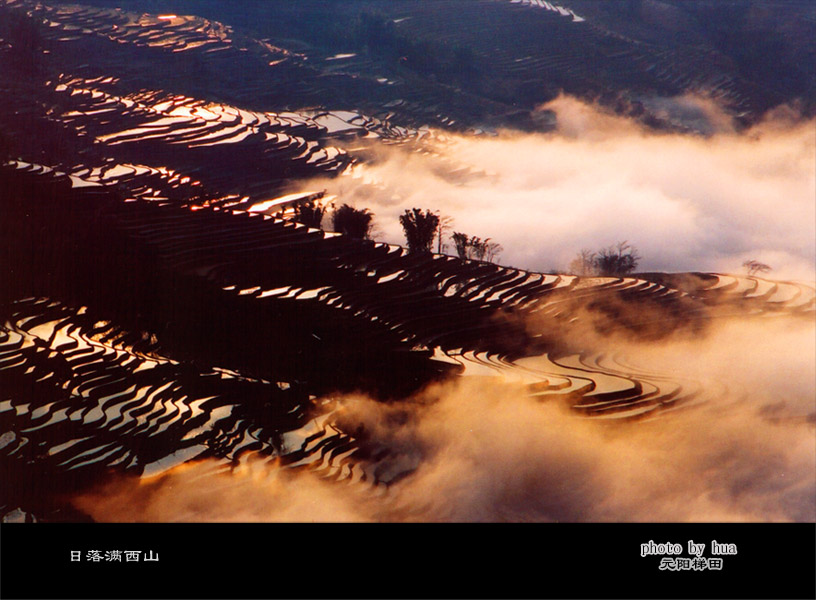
(420, 229)
(617, 260)
(613, 261)
(754, 266)
(352, 222)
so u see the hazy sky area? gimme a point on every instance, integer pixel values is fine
(686, 202)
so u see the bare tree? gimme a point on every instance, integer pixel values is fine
(584, 263)
(444, 226)
(492, 250)
(754, 267)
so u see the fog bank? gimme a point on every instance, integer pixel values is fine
(480, 449)
(685, 201)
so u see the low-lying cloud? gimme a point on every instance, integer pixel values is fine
(480, 449)
(686, 202)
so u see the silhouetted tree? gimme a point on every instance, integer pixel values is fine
(491, 250)
(460, 242)
(441, 229)
(310, 213)
(475, 248)
(420, 229)
(753, 267)
(352, 222)
(584, 263)
(617, 260)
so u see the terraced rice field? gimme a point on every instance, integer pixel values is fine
(90, 386)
